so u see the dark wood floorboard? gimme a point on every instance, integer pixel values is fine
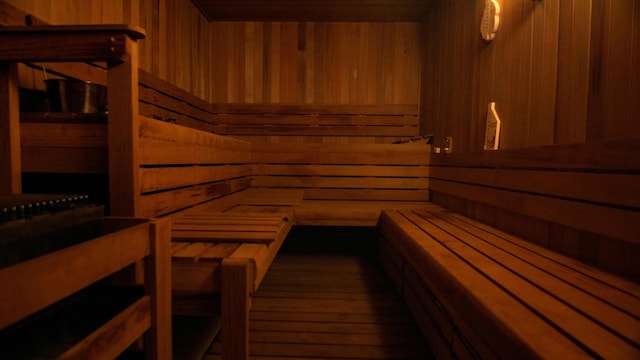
(329, 305)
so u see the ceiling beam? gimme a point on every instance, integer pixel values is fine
(315, 10)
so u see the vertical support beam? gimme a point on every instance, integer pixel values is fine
(237, 285)
(122, 98)
(158, 286)
(10, 158)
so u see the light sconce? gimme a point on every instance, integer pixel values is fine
(490, 20)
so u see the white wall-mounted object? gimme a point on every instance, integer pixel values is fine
(490, 20)
(492, 132)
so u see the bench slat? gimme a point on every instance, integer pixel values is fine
(342, 170)
(341, 182)
(223, 236)
(191, 252)
(156, 179)
(563, 290)
(329, 130)
(391, 195)
(613, 289)
(447, 250)
(608, 221)
(211, 222)
(559, 314)
(471, 296)
(156, 204)
(311, 120)
(334, 154)
(606, 188)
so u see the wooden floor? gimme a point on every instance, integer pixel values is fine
(328, 305)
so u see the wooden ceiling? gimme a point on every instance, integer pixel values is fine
(315, 10)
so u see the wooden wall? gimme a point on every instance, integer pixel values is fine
(172, 27)
(316, 63)
(560, 71)
(324, 64)
(259, 62)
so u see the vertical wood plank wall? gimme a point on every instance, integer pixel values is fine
(323, 63)
(560, 71)
(316, 63)
(292, 63)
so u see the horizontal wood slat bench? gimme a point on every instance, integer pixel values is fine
(342, 184)
(219, 255)
(226, 255)
(582, 200)
(257, 121)
(479, 292)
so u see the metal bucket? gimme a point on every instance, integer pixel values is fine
(76, 96)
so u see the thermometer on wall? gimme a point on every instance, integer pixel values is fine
(490, 20)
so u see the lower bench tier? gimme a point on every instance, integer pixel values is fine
(481, 293)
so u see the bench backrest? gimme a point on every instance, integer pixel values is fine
(581, 200)
(366, 123)
(181, 167)
(381, 172)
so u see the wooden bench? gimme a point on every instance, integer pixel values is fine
(342, 184)
(155, 167)
(581, 200)
(225, 255)
(524, 252)
(479, 292)
(219, 256)
(359, 123)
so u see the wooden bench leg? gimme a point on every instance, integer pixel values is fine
(237, 285)
(158, 271)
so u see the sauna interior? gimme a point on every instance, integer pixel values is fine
(319, 179)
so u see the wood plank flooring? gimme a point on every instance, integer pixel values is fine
(329, 306)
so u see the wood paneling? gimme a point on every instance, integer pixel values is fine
(615, 65)
(559, 71)
(462, 73)
(281, 63)
(581, 200)
(318, 63)
(261, 62)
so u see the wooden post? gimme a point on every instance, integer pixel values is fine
(158, 286)
(237, 286)
(122, 99)
(10, 158)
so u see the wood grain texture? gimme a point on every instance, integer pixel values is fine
(334, 306)
(557, 70)
(263, 62)
(570, 198)
(10, 154)
(436, 236)
(38, 290)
